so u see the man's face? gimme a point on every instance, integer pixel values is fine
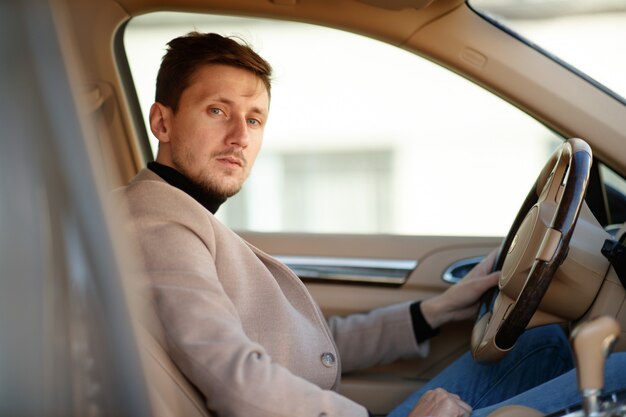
(214, 137)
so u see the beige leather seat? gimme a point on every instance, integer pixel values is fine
(516, 411)
(171, 394)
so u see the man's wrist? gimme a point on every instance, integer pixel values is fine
(434, 312)
(421, 327)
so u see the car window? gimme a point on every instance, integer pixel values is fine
(614, 195)
(364, 137)
(587, 34)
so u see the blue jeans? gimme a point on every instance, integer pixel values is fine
(539, 356)
(562, 392)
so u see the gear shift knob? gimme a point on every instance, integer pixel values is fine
(592, 343)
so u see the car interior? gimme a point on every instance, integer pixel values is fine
(394, 204)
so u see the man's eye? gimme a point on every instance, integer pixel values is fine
(215, 110)
(254, 122)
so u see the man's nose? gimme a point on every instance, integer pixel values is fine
(238, 134)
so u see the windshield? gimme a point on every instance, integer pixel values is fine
(587, 34)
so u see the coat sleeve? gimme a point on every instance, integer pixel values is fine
(204, 334)
(380, 336)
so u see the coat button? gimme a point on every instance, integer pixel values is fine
(328, 359)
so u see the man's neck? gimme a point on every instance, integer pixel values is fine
(174, 178)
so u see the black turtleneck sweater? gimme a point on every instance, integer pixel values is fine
(174, 178)
(422, 329)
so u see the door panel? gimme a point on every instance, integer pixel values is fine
(380, 388)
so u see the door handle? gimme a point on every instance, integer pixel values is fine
(455, 272)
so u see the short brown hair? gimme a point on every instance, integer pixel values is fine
(186, 54)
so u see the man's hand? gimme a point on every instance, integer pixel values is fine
(440, 403)
(460, 301)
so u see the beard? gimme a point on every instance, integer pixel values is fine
(221, 184)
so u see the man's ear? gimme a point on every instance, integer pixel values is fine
(160, 119)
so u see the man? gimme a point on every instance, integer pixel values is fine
(238, 323)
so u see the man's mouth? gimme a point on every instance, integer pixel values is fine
(231, 160)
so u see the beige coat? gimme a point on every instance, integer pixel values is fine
(240, 325)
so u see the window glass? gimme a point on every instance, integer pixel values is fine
(611, 179)
(588, 34)
(615, 195)
(364, 137)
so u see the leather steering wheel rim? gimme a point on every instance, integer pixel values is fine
(495, 333)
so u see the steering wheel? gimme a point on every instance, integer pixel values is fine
(535, 247)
